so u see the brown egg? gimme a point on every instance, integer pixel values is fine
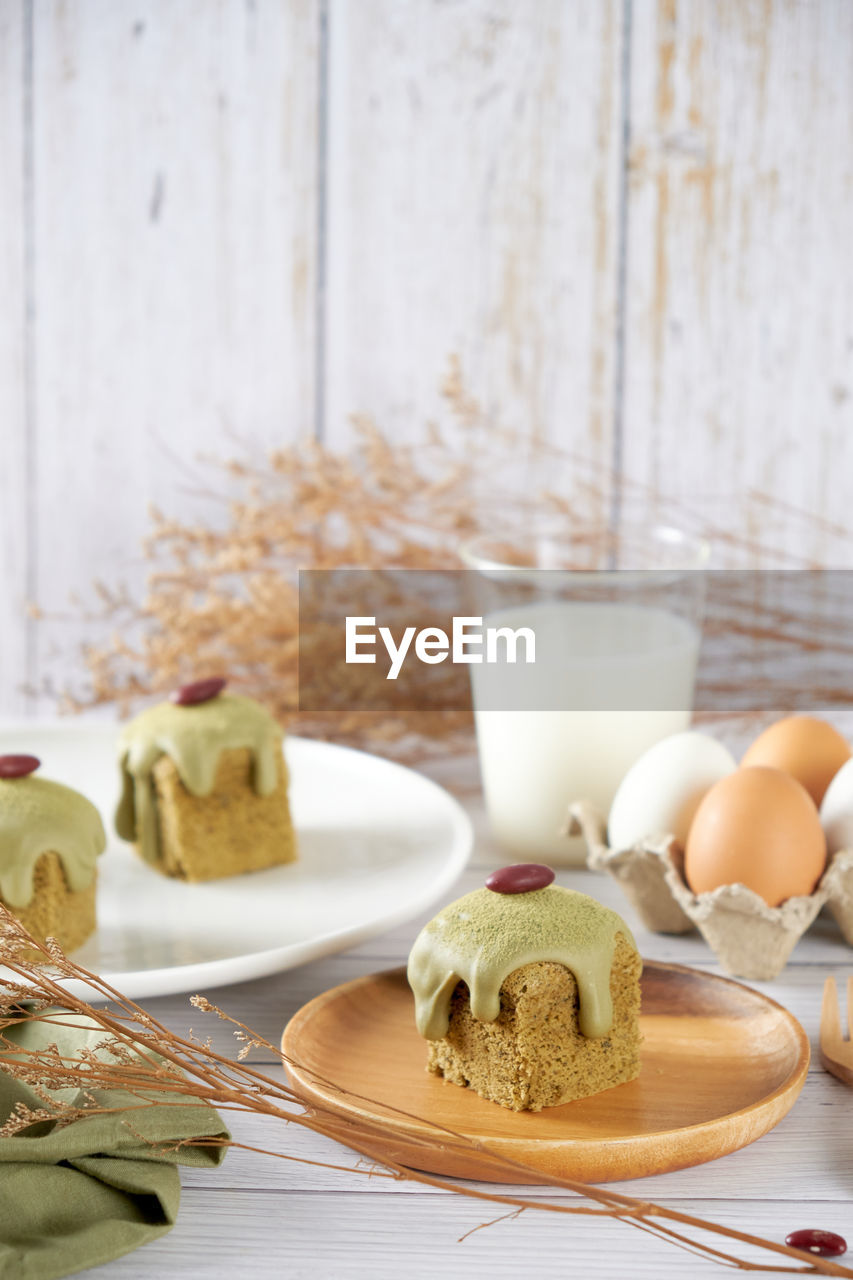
(757, 827)
(807, 748)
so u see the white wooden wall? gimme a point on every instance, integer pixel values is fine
(228, 223)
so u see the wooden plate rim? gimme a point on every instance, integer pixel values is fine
(407, 1123)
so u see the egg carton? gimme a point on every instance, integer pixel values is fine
(749, 938)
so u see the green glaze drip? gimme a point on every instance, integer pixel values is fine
(194, 738)
(36, 817)
(484, 937)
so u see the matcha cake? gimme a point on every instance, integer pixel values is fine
(204, 785)
(528, 993)
(50, 839)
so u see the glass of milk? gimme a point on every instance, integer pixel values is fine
(616, 619)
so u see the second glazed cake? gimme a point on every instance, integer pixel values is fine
(204, 791)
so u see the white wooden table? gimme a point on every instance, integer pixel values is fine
(261, 1217)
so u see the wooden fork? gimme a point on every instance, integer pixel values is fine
(836, 1053)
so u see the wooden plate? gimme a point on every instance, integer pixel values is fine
(721, 1065)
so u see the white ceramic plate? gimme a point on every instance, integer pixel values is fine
(378, 844)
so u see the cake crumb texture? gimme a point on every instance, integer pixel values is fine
(228, 832)
(55, 910)
(533, 1055)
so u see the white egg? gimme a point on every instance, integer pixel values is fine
(662, 790)
(836, 810)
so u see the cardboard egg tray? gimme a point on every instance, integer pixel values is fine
(750, 939)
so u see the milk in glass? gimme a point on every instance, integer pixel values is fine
(610, 679)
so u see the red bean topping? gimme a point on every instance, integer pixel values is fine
(190, 695)
(523, 877)
(18, 766)
(826, 1244)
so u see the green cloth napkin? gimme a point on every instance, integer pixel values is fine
(75, 1196)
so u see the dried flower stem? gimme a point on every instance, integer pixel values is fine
(225, 597)
(144, 1059)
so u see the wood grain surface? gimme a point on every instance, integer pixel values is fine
(474, 171)
(739, 357)
(720, 1065)
(169, 211)
(229, 224)
(15, 369)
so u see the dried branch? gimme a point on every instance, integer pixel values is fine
(224, 596)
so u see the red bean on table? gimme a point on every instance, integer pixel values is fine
(826, 1244)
